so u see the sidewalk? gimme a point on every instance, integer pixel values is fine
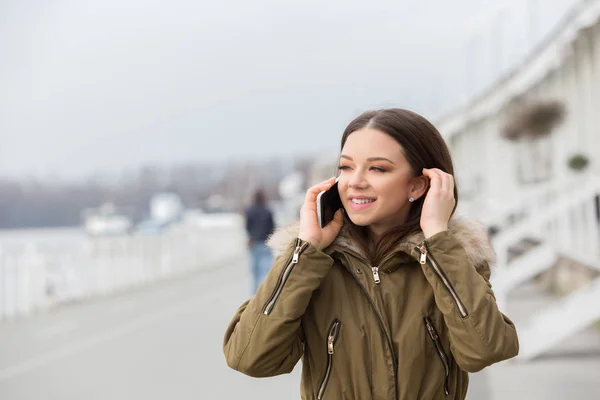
(570, 371)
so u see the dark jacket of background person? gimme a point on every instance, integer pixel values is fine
(259, 220)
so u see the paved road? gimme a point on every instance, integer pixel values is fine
(160, 342)
(164, 342)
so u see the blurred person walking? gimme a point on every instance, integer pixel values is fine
(390, 300)
(259, 225)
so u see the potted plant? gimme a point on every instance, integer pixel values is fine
(531, 122)
(578, 162)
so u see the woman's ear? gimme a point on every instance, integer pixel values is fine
(419, 186)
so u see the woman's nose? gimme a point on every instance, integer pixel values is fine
(357, 181)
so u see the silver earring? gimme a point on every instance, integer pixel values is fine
(411, 199)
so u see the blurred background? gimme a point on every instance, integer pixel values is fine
(133, 135)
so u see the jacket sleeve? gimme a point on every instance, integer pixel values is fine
(265, 337)
(480, 334)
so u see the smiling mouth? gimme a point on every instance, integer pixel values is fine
(362, 201)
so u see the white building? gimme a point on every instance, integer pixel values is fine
(558, 216)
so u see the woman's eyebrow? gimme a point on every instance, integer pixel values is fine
(380, 159)
(370, 159)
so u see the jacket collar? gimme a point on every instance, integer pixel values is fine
(471, 234)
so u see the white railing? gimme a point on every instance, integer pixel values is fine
(562, 219)
(34, 278)
(557, 321)
(562, 215)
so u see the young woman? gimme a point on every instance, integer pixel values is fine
(392, 299)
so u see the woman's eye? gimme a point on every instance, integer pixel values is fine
(378, 169)
(343, 167)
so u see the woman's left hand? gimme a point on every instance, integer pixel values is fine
(439, 202)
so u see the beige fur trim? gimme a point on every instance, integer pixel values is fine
(280, 240)
(471, 234)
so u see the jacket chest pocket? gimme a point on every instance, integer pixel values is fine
(439, 349)
(332, 337)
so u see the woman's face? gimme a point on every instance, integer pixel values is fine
(375, 180)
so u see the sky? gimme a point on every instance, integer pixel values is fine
(90, 86)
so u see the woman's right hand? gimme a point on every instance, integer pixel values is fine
(310, 231)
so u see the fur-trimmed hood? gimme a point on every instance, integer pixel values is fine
(472, 235)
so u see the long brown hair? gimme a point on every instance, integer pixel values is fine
(423, 147)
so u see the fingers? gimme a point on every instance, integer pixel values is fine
(440, 181)
(333, 228)
(313, 191)
(435, 182)
(448, 186)
(338, 217)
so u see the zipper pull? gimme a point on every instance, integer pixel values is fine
(376, 274)
(423, 250)
(296, 254)
(431, 331)
(330, 344)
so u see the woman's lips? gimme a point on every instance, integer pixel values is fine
(360, 206)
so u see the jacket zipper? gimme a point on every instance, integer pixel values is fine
(440, 351)
(376, 269)
(334, 332)
(283, 277)
(442, 277)
(376, 274)
(389, 341)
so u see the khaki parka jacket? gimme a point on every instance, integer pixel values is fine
(410, 328)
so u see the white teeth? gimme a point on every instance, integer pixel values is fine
(362, 201)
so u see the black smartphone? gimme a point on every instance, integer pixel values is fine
(328, 202)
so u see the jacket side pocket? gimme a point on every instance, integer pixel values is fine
(332, 336)
(439, 349)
